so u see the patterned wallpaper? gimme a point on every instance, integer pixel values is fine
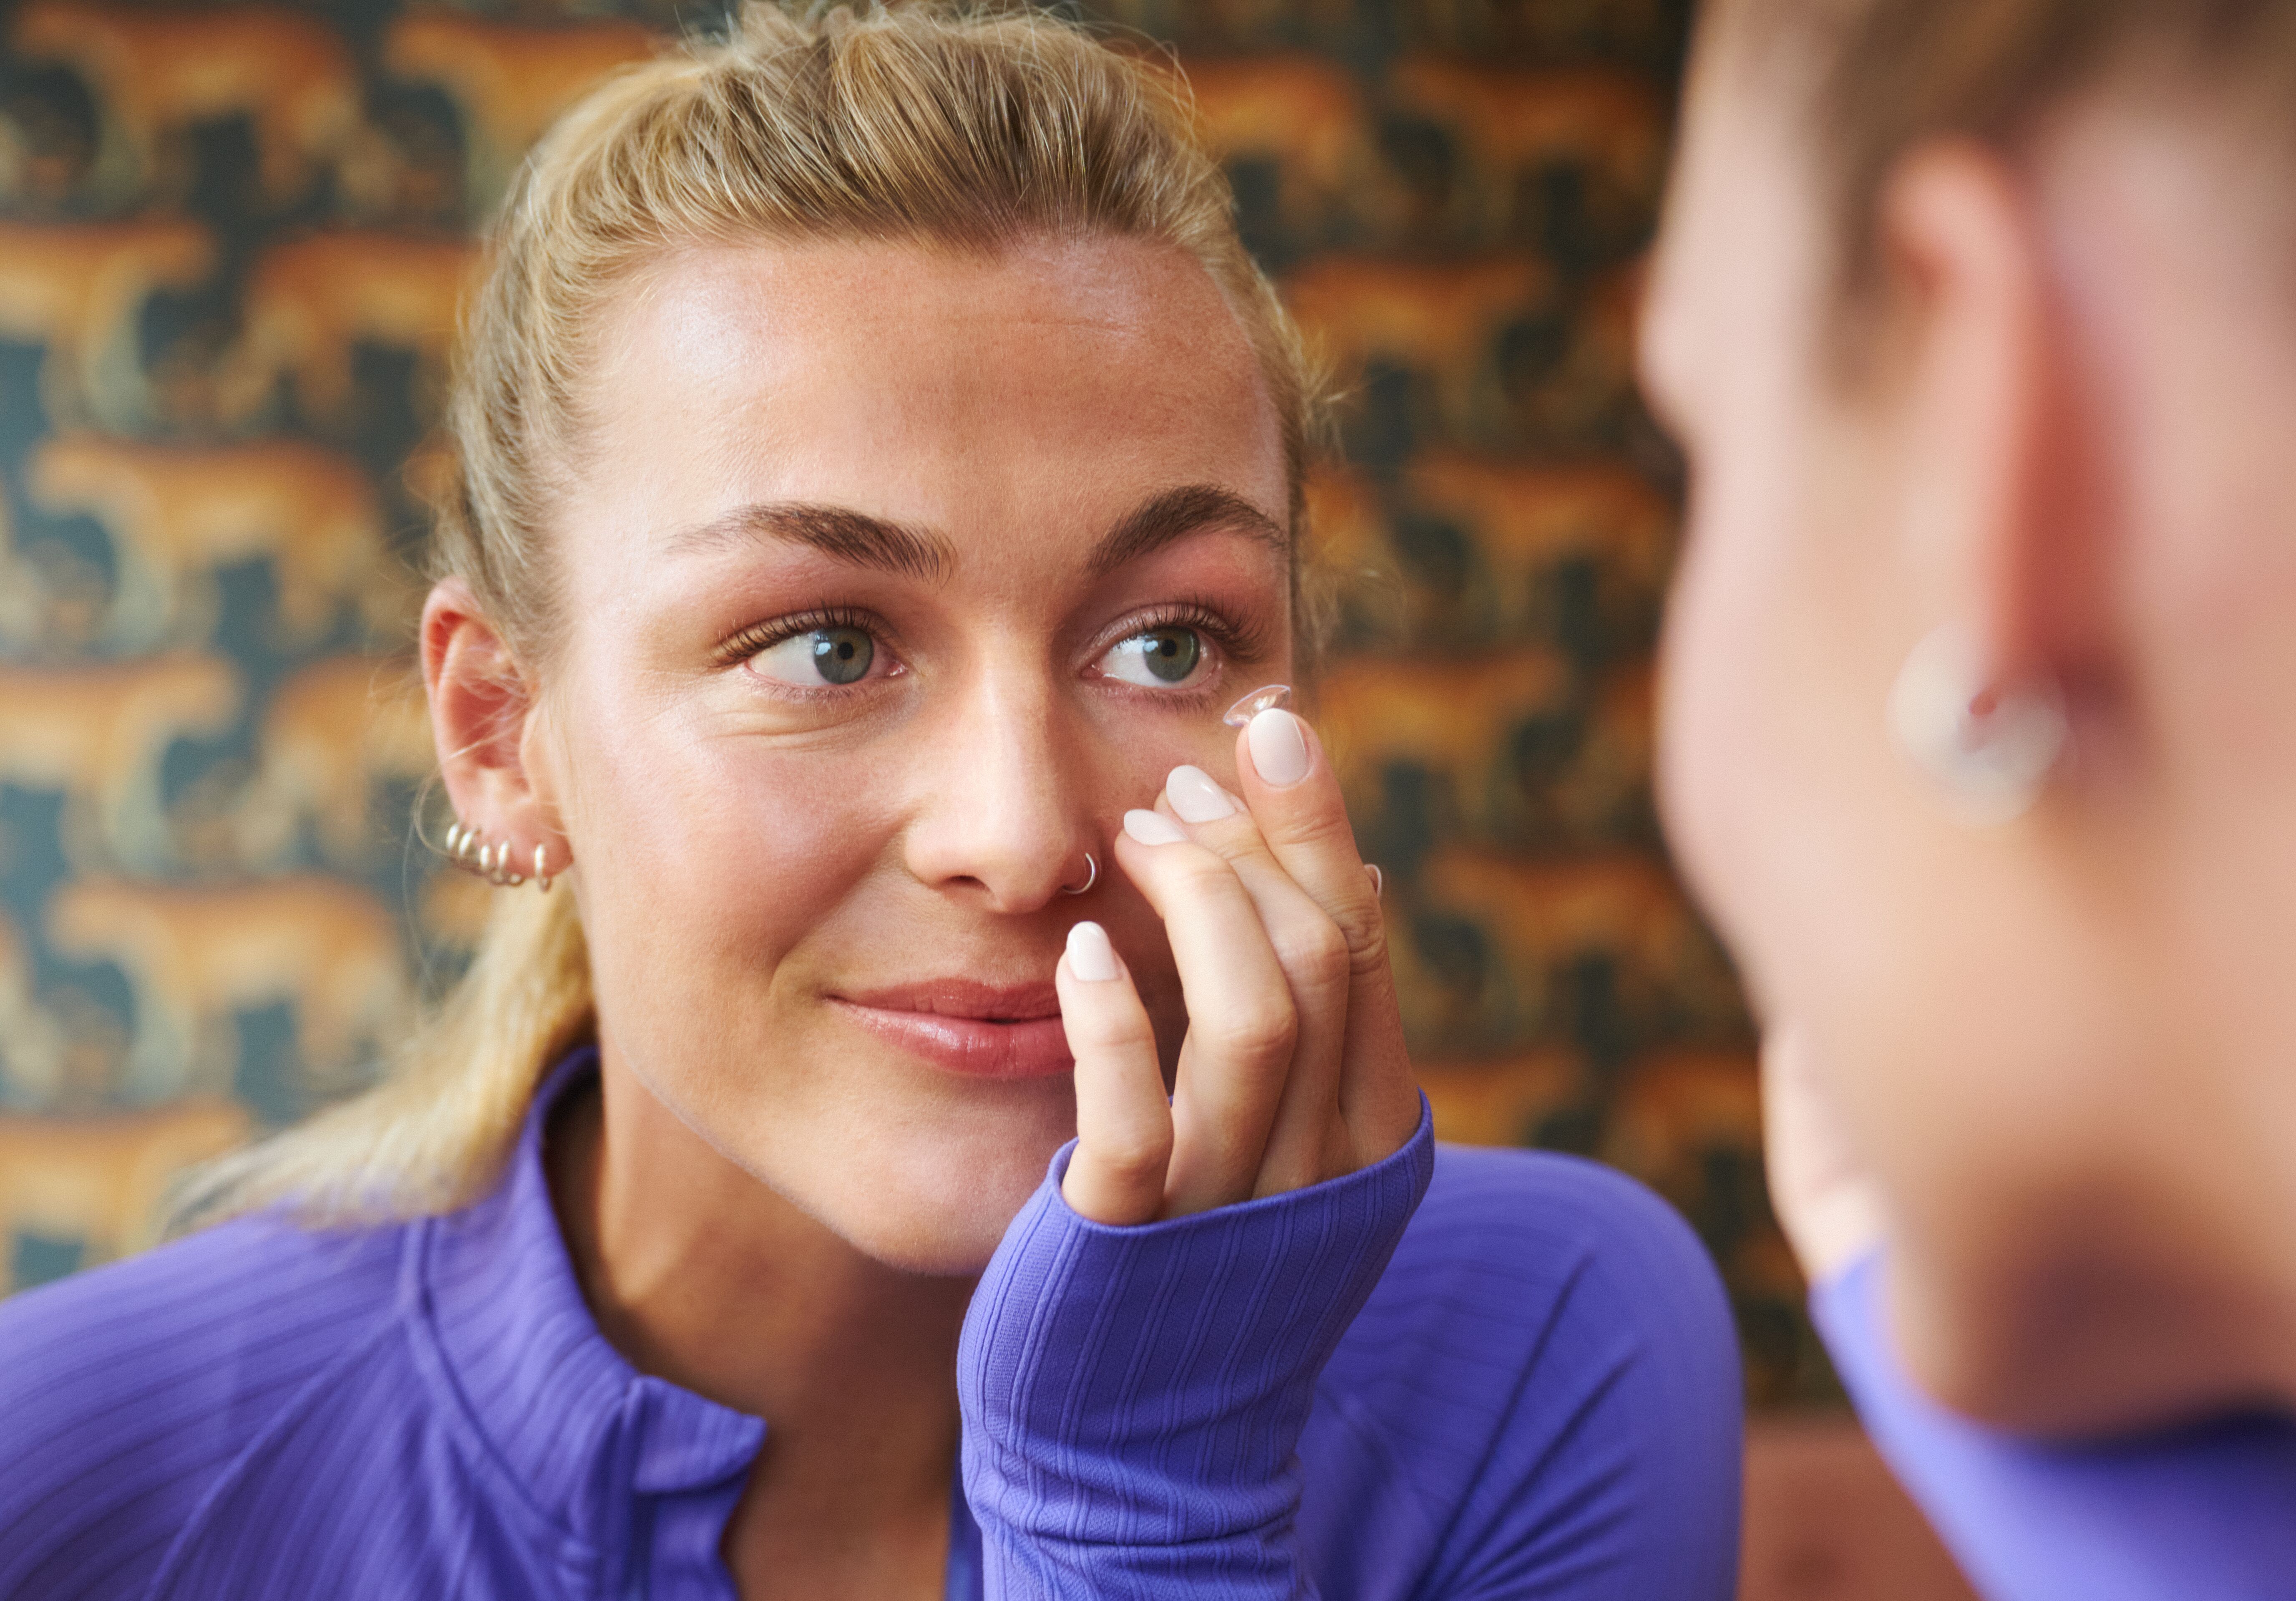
(231, 241)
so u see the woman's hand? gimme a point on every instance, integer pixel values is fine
(1293, 1069)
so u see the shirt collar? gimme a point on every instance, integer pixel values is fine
(581, 1430)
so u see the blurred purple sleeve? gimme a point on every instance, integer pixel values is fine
(2205, 1511)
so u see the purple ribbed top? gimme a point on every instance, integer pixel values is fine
(1503, 1374)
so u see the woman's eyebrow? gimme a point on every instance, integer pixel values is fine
(851, 537)
(1175, 514)
(861, 541)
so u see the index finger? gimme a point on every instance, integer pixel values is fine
(1294, 797)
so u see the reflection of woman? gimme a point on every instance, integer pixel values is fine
(880, 471)
(1976, 321)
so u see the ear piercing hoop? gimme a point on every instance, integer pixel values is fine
(467, 849)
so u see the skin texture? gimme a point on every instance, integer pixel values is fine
(776, 1200)
(2048, 1061)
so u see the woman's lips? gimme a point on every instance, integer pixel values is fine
(963, 1026)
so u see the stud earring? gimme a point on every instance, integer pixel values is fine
(1091, 877)
(1988, 746)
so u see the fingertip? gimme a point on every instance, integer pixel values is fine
(1090, 957)
(1152, 827)
(1195, 796)
(1275, 746)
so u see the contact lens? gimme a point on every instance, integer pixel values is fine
(1263, 699)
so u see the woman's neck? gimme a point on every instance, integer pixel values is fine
(700, 1275)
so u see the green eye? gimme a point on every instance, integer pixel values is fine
(843, 655)
(1156, 657)
(1172, 653)
(835, 654)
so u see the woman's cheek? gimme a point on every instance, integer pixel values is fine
(706, 838)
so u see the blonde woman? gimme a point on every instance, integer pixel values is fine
(1976, 320)
(930, 1116)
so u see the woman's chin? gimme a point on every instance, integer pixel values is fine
(943, 1230)
(938, 1203)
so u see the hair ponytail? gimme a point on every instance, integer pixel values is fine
(433, 1134)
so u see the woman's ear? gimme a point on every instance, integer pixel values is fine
(2001, 486)
(482, 709)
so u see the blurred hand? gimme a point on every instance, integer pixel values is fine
(1293, 1069)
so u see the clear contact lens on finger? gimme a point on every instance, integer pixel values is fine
(1263, 699)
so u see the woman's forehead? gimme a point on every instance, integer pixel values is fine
(918, 375)
(750, 318)
(1015, 404)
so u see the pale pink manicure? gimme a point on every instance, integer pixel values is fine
(1196, 796)
(1091, 958)
(1152, 828)
(1279, 747)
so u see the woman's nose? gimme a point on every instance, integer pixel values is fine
(1004, 811)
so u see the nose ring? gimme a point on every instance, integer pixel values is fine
(1091, 877)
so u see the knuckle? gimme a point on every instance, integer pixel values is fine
(1363, 930)
(1201, 871)
(1133, 1155)
(1314, 826)
(1259, 1036)
(1315, 954)
(1126, 1031)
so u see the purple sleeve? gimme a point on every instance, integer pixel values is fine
(1134, 1397)
(2208, 1510)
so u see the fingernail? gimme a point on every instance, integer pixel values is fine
(1152, 828)
(1279, 747)
(1196, 797)
(1091, 958)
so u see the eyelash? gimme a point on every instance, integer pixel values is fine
(764, 635)
(1237, 642)
(1242, 642)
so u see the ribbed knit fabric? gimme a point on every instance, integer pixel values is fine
(1538, 1397)
(2200, 1514)
(1134, 1397)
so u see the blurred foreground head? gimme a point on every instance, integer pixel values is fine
(1977, 320)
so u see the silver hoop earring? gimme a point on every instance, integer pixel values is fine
(1989, 747)
(1091, 877)
(541, 876)
(462, 847)
(467, 849)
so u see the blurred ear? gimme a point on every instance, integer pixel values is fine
(2000, 488)
(483, 714)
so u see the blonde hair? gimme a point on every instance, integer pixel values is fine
(909, 123)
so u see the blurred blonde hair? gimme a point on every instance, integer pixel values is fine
(912, 123)
(1880, 77)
